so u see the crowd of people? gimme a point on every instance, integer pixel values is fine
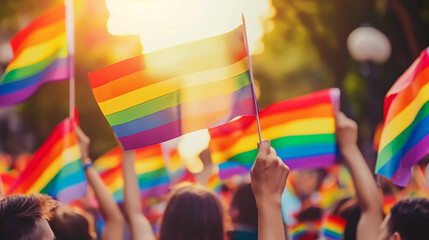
(195, 212)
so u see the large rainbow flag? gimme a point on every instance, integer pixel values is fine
(302, 131)
(40, 55)
(152, 174)
(405, 137)
(55, 168)
(161, 95)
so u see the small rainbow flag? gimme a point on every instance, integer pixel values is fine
(8, 177)
(215, 183)
(55, 168)
(150, 169)
(298, 231)
(40, 55)
(333, 227)
(388, 202)
(164, 94)
(405, 137)
(302, 131)
(336, 185)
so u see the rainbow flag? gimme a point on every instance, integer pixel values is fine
(335, 186)
(40, 55)
(164, 94)
(110, 169)
(55, 168)
(298, 231)
(302, 131)
(405, 137)
(8, 178)
(333, 227)
(152, 174)
(150, 169)
(215, 183)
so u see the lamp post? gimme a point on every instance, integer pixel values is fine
(369, 47)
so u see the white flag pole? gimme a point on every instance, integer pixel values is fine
(71, 45)
(246, 42)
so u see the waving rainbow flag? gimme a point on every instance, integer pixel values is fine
(302, 131)
(55, 168)
(161, 95)
(150, 169)
(405, 137)
(40, 55)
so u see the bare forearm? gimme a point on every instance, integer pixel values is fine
(140, 226)
(270, 220)
(366, 189)
(369, 197)
(108, 206)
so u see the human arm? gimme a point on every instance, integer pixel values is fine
(268, 176)
(114, 221)
(367, 192)
(140, 226)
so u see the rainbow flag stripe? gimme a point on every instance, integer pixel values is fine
(55, 168)
(150, 169)
(302, 131)
(40, 55)
(161, 95)
(405, 137)
(333, 227)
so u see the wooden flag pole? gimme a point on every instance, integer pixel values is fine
(71, 45)
(251, 77)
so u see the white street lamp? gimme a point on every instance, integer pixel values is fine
(368, 44)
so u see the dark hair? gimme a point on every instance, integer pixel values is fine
(19, 215)
(410, 218)
(193, 212)
(69, 225)
(244, 204)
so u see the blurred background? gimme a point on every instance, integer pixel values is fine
(297, 46)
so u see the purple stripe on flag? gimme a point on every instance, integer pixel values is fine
(72, 193)
(403, 174)
(174, 129)
(226, 172)
(155, 191)
(311, 162)
(57, 74)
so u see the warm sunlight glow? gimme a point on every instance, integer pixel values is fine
(164, 23)
(190, 146)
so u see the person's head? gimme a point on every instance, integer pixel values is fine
(193, 212)
(70, 224)
(408, 220)
(26, 217)
(243, 206)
